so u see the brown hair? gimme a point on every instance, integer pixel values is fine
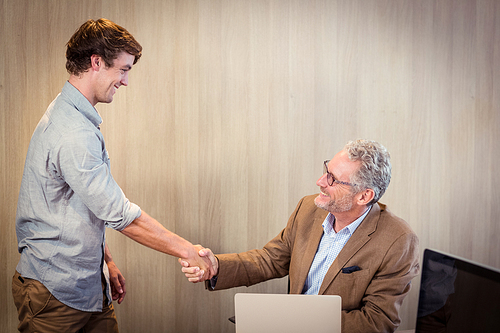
(103, 38)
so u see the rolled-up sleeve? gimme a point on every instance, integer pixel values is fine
(82, 161)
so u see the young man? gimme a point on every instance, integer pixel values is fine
(340, 242)
(66, 278)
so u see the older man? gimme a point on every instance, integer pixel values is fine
(340, 242)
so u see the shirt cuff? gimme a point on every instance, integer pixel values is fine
(210, 284)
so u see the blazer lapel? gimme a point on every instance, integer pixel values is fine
(309, 253)
(360, 237)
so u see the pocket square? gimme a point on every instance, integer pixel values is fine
(349, 270)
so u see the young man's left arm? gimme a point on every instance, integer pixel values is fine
(116, 279)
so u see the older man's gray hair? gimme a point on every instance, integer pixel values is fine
(375, 170)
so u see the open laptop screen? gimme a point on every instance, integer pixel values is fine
(457, 295)
(271, 313)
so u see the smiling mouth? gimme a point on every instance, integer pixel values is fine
(323, 193)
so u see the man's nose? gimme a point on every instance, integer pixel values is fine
(124, 80)
(322, 181)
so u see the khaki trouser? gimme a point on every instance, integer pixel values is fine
(39, 311)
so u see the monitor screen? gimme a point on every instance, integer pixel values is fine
(457, 295)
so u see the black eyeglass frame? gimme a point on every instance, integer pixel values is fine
(330, 178)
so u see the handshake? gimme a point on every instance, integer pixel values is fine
(203, 266)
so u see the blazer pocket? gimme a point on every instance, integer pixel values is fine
(351, 269)
(357, 274)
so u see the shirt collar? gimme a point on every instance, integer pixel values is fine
(330, 219)
(82, 104)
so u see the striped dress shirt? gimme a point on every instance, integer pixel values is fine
(329, 248)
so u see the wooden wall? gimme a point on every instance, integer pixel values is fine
(233, 108)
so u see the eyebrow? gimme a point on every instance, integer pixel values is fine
(336, 178)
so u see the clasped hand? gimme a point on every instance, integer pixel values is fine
(195, 272)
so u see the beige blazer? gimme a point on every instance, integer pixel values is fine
(383, 250)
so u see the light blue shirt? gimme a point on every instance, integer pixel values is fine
(66, 200)
(329, 248)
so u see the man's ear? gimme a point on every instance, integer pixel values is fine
(365, 196)
(96, 62)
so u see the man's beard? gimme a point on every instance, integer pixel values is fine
(340, 205)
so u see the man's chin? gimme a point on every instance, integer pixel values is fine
(319, 203)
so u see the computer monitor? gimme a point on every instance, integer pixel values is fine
(457, 295)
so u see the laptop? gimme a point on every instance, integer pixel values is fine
(266, 313)
(457, 295)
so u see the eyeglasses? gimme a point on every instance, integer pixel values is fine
(331, 178)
